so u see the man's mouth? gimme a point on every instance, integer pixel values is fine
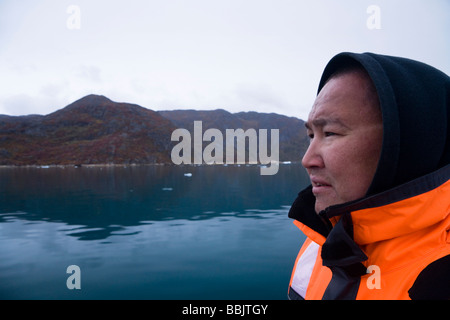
(319, 186)
(319, 183)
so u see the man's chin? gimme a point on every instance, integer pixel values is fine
(321, 205)
(319, 208)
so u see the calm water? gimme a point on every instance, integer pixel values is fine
(148, 232)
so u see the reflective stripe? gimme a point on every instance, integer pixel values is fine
(304, 268)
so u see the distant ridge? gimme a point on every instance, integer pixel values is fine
(96, 130)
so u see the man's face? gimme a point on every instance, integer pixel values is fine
(345, 130)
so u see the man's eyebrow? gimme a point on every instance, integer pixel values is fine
(321, 122)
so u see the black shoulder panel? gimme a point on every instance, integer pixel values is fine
(433, 283)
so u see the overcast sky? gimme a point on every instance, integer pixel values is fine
(238, 55)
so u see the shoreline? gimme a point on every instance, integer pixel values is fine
(90, 165)
(124, 165)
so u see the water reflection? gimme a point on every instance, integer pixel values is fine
(99, 202)
(148, 232)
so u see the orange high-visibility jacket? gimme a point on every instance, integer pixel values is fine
(395, 245)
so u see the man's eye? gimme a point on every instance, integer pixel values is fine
(329, 134)
(311, 135)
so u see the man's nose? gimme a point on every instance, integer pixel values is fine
(312, 157)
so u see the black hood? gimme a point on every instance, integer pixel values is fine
(415, 104)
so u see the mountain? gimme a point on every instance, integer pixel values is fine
(91, 130)
(293, 140)
(96, 130)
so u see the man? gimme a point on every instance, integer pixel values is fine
(377, 212)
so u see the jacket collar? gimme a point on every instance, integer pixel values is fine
(387, 215)
(382, 216)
